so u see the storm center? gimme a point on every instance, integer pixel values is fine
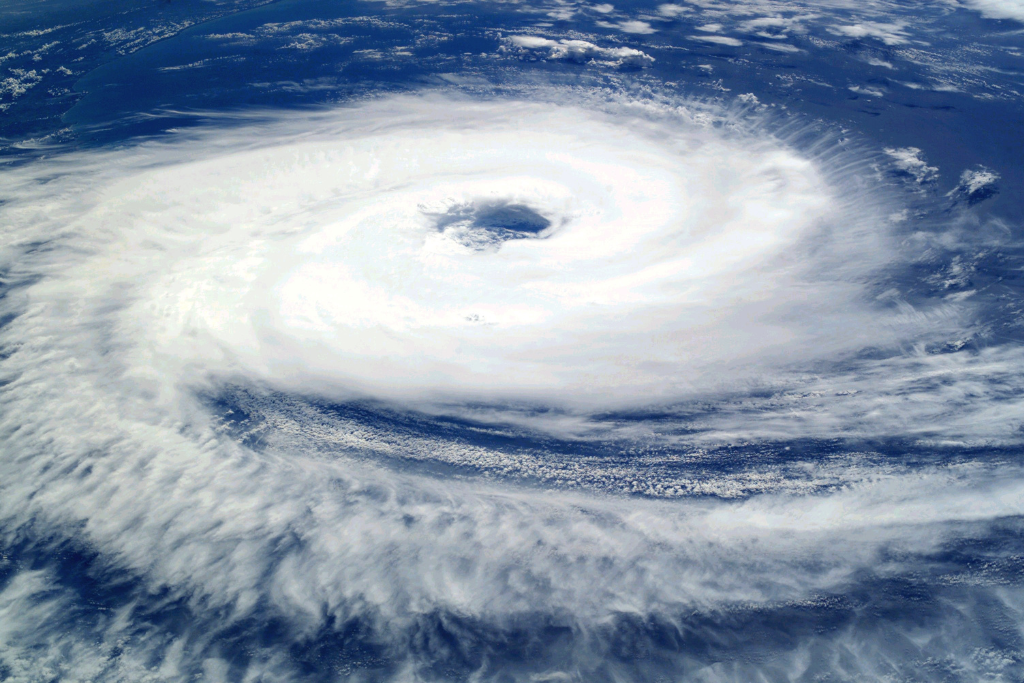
(485, 226)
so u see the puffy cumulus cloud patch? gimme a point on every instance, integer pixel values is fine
(580, 51)
(509, 260)
(975, 185)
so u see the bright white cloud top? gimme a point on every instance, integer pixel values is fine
(420, 248)
(445, 254)
(496, 251)
(434, 251)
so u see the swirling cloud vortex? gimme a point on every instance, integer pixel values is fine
(420, 248)
(428, 249)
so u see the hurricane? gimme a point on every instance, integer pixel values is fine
(513, 375)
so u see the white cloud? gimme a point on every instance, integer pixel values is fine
(911, 160)
(999, 9)
(629, 26)
(417, 324)
(562, 14)
(670, 10)
(18, 83)
(636, 26)
(868, 90)
(794, 23)
(975, 185)
(888, 33)
(720, 40)
(688, 254)
(532, 42)
(973, 181)
(730, 290)
(874, 61)
(781, 47)
(582, 51)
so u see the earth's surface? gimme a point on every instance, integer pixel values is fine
(511, 341)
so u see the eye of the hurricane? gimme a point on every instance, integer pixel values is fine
(484, 226)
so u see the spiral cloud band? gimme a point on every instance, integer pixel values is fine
(503, 262)
(419, 249)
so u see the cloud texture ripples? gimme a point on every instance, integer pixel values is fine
(519, 262)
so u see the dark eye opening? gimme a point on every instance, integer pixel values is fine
(484, 226)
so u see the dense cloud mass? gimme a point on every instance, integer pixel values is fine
(442, 252)
(612, 254)
(566, 378)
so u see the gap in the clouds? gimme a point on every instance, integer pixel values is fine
(484, 225)
(647, 454)
(495, 215)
